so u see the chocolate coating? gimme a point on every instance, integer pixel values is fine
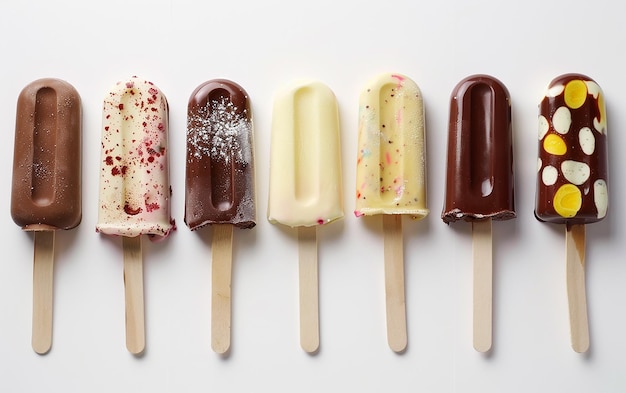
(479, 180)
(573, 166)
(46, 188)
(220, 157)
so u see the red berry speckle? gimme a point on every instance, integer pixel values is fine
(150, 207)
(131, 211)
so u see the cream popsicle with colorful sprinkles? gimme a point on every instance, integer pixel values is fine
(572, 178)
(219, 185)
(391, 178)
(305, 182)
(134, 184)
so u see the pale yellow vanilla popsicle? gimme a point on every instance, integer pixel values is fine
(391, 162)
(305, 163)
(305, 182)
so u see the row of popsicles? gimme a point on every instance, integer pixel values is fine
(305, 181)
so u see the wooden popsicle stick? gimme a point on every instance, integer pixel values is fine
(133, 284)
(576, 294)
(483, 284)
(222, 255)
(394, 282)
(43, 280)
(309, 297)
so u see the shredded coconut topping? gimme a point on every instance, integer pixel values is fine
(217, 130)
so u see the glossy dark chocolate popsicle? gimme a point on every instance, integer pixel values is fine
(573, 167)
(46, 191)
(220, 157)
(479, 182)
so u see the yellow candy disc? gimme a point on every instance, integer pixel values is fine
(568, 200)
(554, 144)
(602, 121)
(575, 94)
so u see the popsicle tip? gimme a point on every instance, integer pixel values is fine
(482, 346)
(311, 347)
(41, 347)
(136, 349)
(398, 344)
(221, 347)
(580, 347)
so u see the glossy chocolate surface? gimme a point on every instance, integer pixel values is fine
(479, 181)
(220, 157)
(572, 168)
(46, 188)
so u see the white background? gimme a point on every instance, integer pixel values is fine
(262, 45)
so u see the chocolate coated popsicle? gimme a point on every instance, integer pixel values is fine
(479, 186)
(220, 184)
(572, 178)
(46, 192)
(220, 161)
(479, 177)
(46, 188)
(573, 166)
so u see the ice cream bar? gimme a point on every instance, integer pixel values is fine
(46, 190)
(46, 193)
(305, 182)
(134, 185)
(572, 178)
(391, 178)
(305, 166)
(479, 180)
(220, 184)
(220, 160)
(391, 163)
(572, 167)
(134, 174)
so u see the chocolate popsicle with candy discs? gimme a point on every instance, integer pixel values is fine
(479, 183)
(134, 184)
(46, 188)
(305, 182)
(391, 178)
(219, 189)
(572, 178)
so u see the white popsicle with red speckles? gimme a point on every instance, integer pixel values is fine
(134, 174)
